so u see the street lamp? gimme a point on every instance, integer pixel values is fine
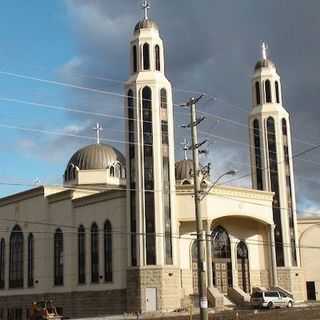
(208, 237)
(228, 173)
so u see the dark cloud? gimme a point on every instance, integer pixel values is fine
(211, 46)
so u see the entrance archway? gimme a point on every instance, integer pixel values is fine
(243, 267)
(221, 259)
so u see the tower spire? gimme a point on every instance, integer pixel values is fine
(98, 128)
(185, 145)
(146, 7)
(264, 48)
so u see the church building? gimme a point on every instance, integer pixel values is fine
(119, 234)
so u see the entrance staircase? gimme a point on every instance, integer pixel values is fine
(238, 296)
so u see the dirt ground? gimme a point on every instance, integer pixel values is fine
(297, 313)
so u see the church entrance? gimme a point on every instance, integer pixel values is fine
(243, 267)
(221, 259)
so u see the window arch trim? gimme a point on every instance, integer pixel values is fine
(16, 259)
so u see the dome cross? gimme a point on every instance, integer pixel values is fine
(146, 7)
(185, 145)
(264, 49)
(98, 128)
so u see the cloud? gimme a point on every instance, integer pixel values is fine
(210, 47)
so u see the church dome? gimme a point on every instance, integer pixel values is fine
(184, 170)
(93, 157)
(146, 24)
(264, 63)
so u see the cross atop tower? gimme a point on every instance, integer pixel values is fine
(146, 7)
(264, 48)
(185, 145)
(98, 128)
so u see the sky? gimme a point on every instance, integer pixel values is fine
(211, 47)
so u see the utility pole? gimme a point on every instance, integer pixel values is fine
(201, 234)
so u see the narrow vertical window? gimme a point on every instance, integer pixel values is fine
(148, 176)
(16, 258)
(134, 59)
(58, 258)
(277, 91)
(166, 178)
(257, 151)
(163, 98)
(289, 192)
(30, 260)
(274, 179)
(107, 251)
(258, 95)
(268, 91)
(131, 138)
(146, 56)
(94, 253)
(81, 255)
(157, 53)
(2, 263)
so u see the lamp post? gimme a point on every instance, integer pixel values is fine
(208, 236)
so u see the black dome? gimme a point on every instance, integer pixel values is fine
(264, 63)
(184, 169)
(145, 24)
(94, 157)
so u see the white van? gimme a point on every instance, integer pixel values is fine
(271, 299)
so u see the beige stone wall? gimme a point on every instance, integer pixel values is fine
(166, 280)
(259, 278)
(74, 304)
(187, 282)
(292, 279)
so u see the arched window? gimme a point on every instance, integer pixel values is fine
(146, 56)
(94, 253)
(257, 150)
(2, 263)
(58, 258)
(16, 258)
(220, 243)
(268, 91)
(163, 98)
(221, 258)
(132, 177)
(117, 170)
(243, 267)
(277, 91)
(258, 94)
(81, 255)
(135, 59)
(107, 251)
(148, 176)
(157, 53)
(30, 260)
(112, 171)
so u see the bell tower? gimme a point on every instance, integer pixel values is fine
(151, 180)
(271, 157)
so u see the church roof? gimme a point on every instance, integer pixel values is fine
(145, 24)
(95, 157)
(184, 169)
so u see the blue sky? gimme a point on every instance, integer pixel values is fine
(211, 48)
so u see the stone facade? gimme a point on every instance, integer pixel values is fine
(72, 304)
(166, 280)
(260, 278)
(292, 279)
